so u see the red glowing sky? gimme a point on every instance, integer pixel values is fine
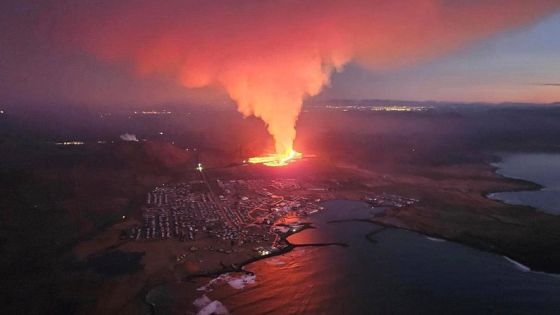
(270, 55)
(91, 51)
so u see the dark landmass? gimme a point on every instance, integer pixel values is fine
(63, 206)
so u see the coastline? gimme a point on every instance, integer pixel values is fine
(534, 264)
(438, 238)
(239, 267)
(391, 219)
(530, 186)
(525, 268)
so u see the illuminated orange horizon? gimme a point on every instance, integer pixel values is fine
(269, 56)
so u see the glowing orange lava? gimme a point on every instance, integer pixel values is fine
(276, 160)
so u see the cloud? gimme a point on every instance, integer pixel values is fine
(269, 55)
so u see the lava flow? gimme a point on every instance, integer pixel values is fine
(269, 56)
(276, 160)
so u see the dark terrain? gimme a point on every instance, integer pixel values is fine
(53, 197)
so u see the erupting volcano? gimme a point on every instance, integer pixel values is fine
(270, 55)
(276, 160)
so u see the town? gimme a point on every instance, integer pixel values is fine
(235, 211)
(389, 201)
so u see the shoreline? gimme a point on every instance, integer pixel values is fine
(439, 238)
(482, 245)
(369, 236)
(489, 249)
(532, 186)
(239, 267)
(524, 268)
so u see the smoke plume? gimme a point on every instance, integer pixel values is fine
(128, 137)
(269, 55)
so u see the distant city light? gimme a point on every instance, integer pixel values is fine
(199, 167)
(152, 112)
(70, 143)
(379, 108)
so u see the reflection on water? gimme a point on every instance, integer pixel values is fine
(400, 273)
(543, 169)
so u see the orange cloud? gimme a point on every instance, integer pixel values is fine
(269, 55)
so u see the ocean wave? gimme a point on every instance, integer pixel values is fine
(275, 262)
(202, 301)
(206, 306)
(208, 287)
(434, 239)
(241, 282)
(236, 282)
(519, 266)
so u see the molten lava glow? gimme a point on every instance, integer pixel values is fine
(276, 160)
(269, 56)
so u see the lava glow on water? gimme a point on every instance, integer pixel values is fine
(276, 160)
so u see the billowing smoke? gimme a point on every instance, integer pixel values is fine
(129, 137)
(271, 54)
